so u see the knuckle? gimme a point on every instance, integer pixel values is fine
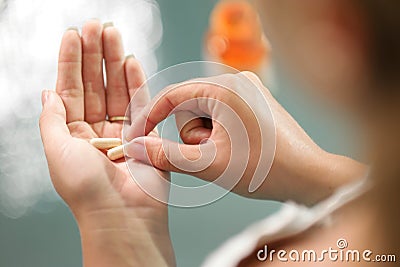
(159, 158)
(42, 119)
(71, 93)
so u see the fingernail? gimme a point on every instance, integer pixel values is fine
(45, 95)
(130, 56)
(136, 149)
(108, 24)
(73, 28)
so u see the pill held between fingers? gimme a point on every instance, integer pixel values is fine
(116, 153)
(105, 143)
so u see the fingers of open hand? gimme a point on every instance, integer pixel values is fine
(92, 72)
(80, 80)
(69, 80)
(117, 90)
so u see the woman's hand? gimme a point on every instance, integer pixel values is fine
(120, 225)
(300, 171)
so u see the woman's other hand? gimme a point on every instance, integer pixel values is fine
(300, 171)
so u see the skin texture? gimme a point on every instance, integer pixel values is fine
(321, 42)
(299, 163)
(120, 225)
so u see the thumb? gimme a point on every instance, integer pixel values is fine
(171, 156)
(52, 123)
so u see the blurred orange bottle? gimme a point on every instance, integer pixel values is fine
(235, 37)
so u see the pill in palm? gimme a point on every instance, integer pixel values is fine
(105, 143)
(116, 152)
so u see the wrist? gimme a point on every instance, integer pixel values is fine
(329, 172)
(313, 178)
(120, 237)
(341, 170)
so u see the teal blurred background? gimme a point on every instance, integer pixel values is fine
(51, 238)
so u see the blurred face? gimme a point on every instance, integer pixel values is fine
(321, 44)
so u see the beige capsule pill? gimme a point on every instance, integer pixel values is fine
(105, 143)
(116, 153)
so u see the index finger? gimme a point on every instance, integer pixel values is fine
(167, 102)
(69, 80)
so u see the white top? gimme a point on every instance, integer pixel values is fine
(290, 220)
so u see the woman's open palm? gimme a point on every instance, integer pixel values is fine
(101, 193)
(84, 177)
